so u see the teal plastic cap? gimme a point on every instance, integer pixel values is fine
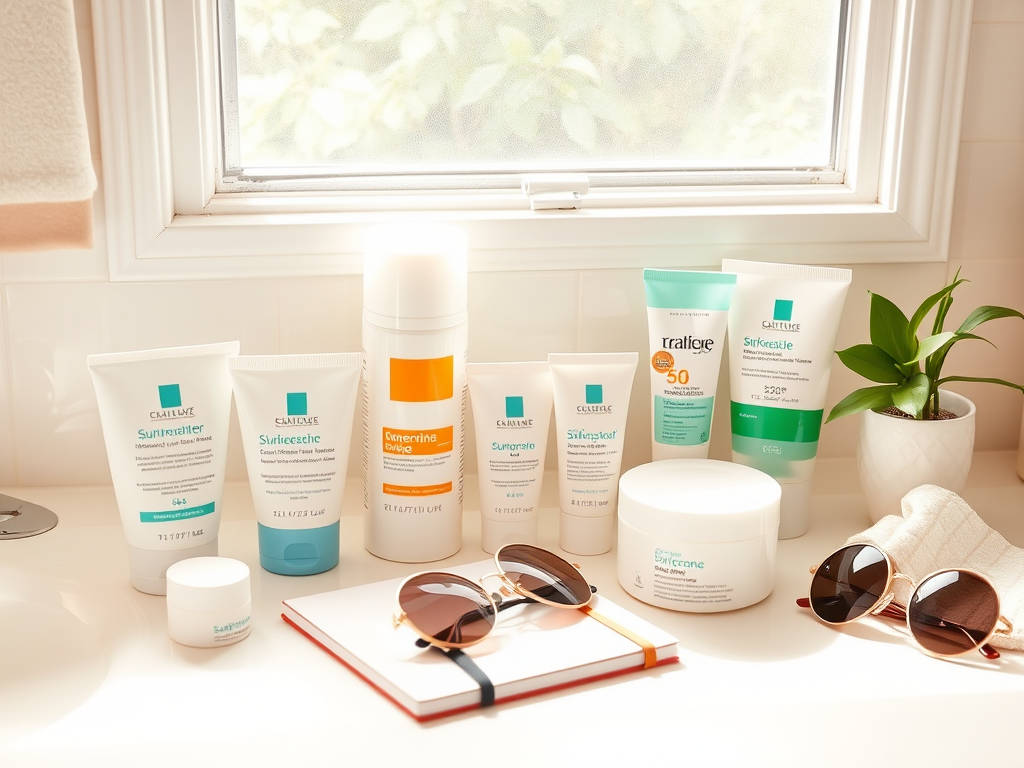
(300, 552)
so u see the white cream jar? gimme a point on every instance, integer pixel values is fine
(208, 602)
(698, 535)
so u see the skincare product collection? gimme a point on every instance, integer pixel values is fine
(693, 534)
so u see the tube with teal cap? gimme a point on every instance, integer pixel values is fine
(687, 314)
(295, 413)
(782, 334)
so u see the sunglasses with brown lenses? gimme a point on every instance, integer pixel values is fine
(451, 611)
(950, 612)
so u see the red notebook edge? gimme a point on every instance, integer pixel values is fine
(459, 710)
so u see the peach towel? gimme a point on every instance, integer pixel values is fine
(44, 139)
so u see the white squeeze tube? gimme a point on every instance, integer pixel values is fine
(512, 413)
(164, 414)
(782, 336)
(296, 413)
(687, 314)
(591, 393)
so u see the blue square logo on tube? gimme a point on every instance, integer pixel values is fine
(595, 394)
(783, 310)
(170, 395)
(296, 403)
(514, 407)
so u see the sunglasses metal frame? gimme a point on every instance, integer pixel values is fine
(508, 588)
(887, 605)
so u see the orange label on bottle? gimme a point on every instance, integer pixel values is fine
(417, 490)
(418, 442)
(422, 381)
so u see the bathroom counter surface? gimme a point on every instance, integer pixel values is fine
(88, 676)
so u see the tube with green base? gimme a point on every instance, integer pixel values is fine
(782, 333)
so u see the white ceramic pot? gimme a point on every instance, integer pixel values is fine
(896, 455)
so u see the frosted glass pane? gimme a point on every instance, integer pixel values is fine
(429, 85)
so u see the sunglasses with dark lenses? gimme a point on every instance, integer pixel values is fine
(451, 611)
(950, 612)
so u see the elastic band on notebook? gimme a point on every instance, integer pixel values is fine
(471, 669)
(650, 652)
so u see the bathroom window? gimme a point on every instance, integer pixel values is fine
(448, 94)
(836, 145)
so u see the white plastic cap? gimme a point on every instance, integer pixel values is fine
(796, 509)
(414, 271)
(586, 535)
(494, 534)
(208, 584)
(149, 566)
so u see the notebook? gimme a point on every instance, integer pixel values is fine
(532, 649)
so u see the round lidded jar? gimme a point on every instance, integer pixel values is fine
(208, 602)
(698, 535)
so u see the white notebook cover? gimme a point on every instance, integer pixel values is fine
(532, 648)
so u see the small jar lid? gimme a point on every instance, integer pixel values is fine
(205, 584)
(700, 500)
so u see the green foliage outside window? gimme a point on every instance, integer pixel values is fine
(648, 83)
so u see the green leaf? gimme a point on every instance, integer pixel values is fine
(516, 44)
(307, 26)
(521, 91)
(447, 26)
(383, 21)
(912, 397)
(665, 33)
(941, 312)
(927, 304)
(581, 64)
(580, 124)
(352, 80)
(553, 53)
(1001, 382)
(933, 367)
(931, 344)
(872, 363)
(417, 43)
(480, 83)
(890, 329)
(984, 314)
(862, 400)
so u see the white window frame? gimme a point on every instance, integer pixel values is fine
(157, 88)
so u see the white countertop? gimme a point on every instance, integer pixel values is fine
(766, 685)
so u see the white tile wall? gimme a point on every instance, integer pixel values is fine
(59, 307)
(987, 221)
(993, 112)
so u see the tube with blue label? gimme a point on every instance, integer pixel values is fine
(687, 314)
(782, 335)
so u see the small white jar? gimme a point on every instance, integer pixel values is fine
(698, 535)
(208, 602)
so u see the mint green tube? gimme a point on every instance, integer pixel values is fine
(782, 336)
(687, 315)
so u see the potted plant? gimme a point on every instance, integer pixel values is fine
(912, 432)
